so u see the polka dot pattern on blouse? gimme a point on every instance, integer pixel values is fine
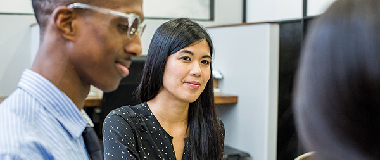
(133, 132)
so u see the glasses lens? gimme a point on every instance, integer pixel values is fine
(142, 28)
(134, 26)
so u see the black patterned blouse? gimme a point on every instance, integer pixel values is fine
(133, 132)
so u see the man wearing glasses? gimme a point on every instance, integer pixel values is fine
(83, 43)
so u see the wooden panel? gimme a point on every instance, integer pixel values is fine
(223, 99)
(2, 99)
(219, 99)
(93, 102)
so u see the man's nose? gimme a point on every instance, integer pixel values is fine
(134, 46)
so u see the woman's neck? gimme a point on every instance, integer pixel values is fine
(171, 112)
(172, 117)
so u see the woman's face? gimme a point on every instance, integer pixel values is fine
(187, 72)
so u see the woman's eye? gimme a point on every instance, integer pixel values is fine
(206, 62)
(186, 58)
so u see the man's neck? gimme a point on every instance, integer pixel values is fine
(59, 72)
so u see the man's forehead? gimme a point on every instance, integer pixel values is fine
(125, 6)
(120, 3)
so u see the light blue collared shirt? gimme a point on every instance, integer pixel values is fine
(38, 121)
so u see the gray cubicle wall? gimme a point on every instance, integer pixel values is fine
(14, 50)
(247, 56)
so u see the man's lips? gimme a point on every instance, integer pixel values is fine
(122, 67)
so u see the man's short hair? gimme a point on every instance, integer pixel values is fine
(44, 8)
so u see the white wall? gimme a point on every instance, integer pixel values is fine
(197, 9)
(248, 59)
(14, 50)
(273, 10)
(226, 12)
(16, 6)
(14, 43)
(278, 10)
(316, 7)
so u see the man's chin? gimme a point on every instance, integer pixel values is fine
(110, 88)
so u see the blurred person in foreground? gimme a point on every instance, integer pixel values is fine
(337, 94)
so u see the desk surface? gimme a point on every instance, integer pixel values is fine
(2, 99)
(219, 99)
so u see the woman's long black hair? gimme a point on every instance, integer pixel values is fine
(205, 131)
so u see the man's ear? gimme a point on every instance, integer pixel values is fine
(64, 21)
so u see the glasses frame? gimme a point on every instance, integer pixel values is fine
(130, 16)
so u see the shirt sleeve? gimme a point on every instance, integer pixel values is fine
(119, 138)
(9, 157)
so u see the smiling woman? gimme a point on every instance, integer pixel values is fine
(187, 73)
(176, 118)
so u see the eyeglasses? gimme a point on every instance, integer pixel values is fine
(135, 25)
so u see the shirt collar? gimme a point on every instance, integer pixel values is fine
(87, 118)
(55, 101)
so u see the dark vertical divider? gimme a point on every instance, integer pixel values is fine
(292, 36)
(244, 11)
(290, 47)
(212, 10)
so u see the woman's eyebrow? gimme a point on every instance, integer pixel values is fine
(189, 52)
(206, 56)
(186, 51)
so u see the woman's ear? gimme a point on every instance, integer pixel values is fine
(65, 22)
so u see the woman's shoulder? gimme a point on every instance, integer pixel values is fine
(128, 111)
(221, 123)
(222, 129)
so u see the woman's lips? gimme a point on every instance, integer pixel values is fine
(194, 85)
